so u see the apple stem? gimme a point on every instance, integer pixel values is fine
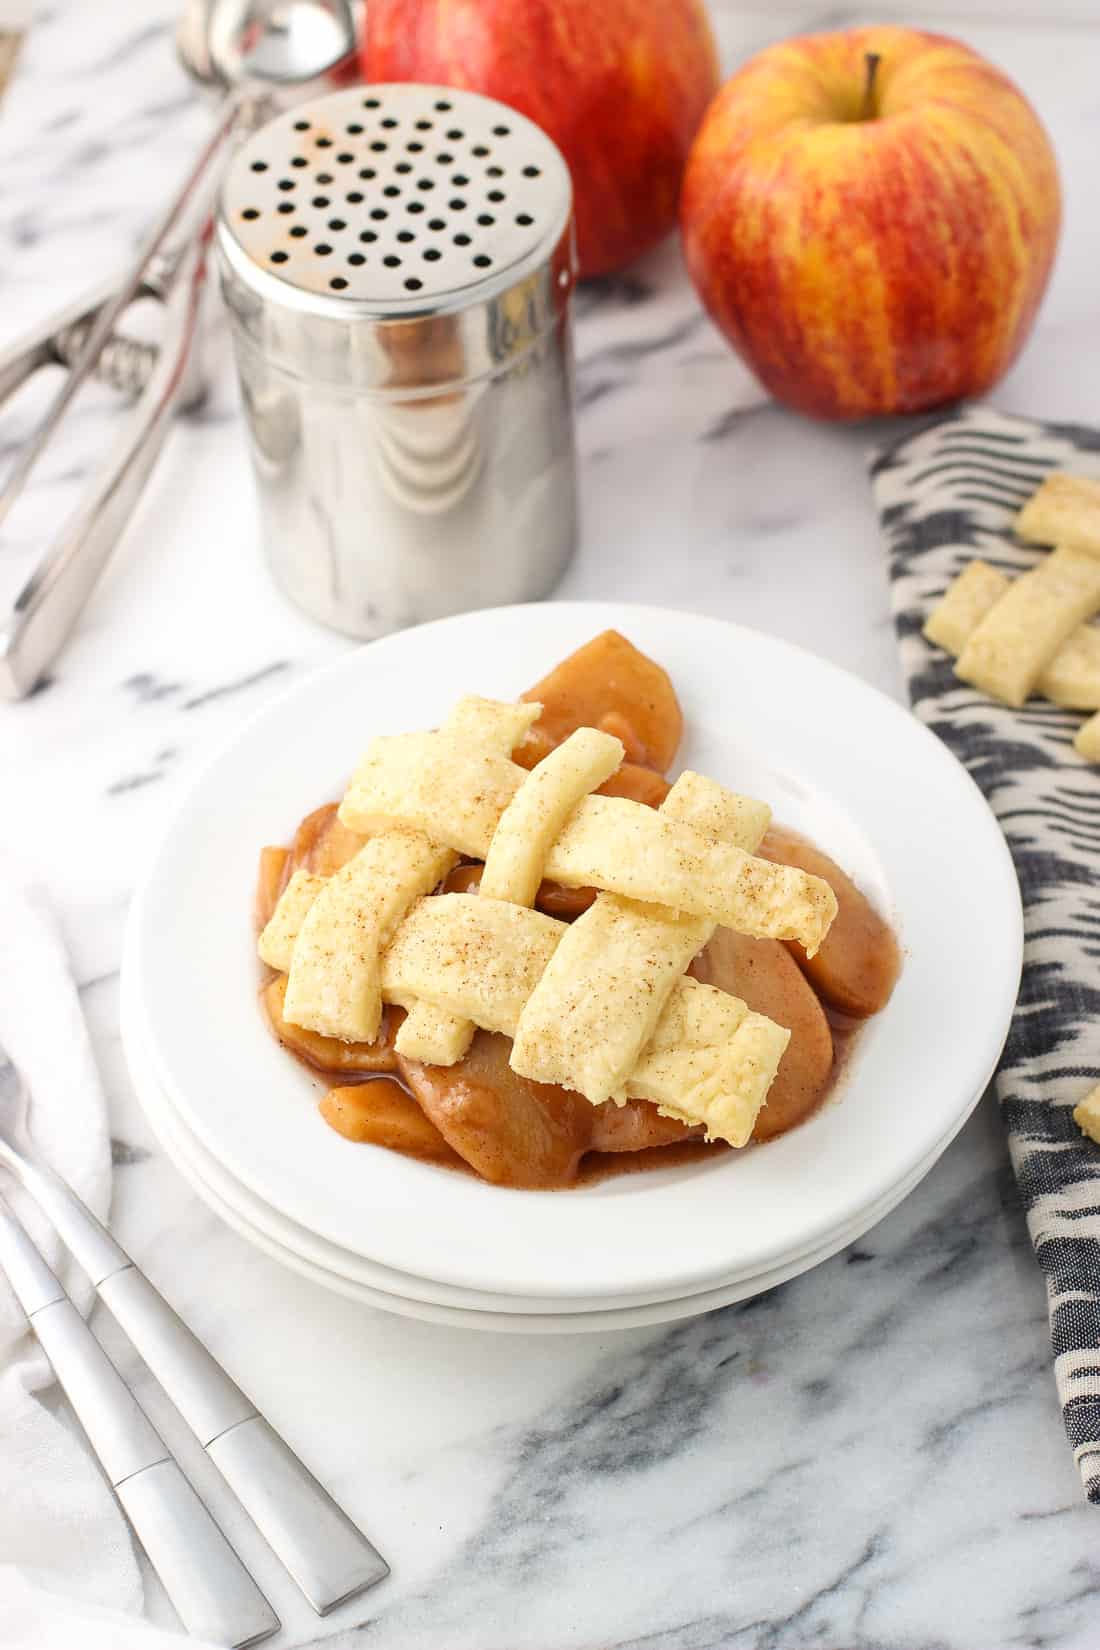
(872, 61)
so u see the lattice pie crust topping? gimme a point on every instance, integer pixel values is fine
(601, 1005)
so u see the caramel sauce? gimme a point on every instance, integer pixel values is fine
(599, 1166)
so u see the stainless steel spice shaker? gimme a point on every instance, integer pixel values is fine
(398, 263)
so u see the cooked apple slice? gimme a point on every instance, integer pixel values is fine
(765, 975)
(329, 1053)
(856, 966)
(638, 784)
(512, 1131)
(380, 1113)
(607, 684)
(464, 879)
(567, 904)
(637, 1126)
(322, 844)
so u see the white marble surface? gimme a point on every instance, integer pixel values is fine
(872, 1455)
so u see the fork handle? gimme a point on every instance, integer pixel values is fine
(324, 1552)
(213, 1593)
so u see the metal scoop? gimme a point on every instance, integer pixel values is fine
(264, 55)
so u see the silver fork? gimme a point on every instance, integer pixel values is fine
(327, 1556)
(214, 1595)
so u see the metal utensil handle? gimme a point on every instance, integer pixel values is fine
(107, 318)
(213, 1593)
(324, 1552)
(52, 599)
(21, 360)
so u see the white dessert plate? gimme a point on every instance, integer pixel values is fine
(834, 758)
(284, 1233)
(357, 1279)
(278, 1235)
(346, 1275)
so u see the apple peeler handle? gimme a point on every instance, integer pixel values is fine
(53, 598)
(171, 264)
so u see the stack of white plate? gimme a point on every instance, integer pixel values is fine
(835, 759)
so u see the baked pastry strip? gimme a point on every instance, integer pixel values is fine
(478, 958)
(710, 1059)
(497, 724)
(1065, 510)
(964, 604)
(1006, 654)
(276, 943)
(624, 848)
(429, 1033)
(332, 987)
(538, 813)
(1071, 679)
(597, 1005)
(1087, 742)
(451, 789)
(334, 981)
(1086, 1114)
(513, 867)
(456, 793)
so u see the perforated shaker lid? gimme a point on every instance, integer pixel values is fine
(389, 203)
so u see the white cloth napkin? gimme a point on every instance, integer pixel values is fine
(67, 1563)
(69, 1575)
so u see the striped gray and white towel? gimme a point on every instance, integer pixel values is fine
(945, 495)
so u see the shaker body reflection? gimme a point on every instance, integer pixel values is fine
(380, 511)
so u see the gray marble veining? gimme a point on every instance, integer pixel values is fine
(870, 1456)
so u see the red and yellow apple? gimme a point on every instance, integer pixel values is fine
(871, 219)
(620, 85)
